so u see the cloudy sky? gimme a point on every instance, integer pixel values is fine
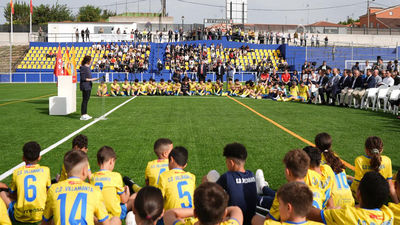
(260, 11)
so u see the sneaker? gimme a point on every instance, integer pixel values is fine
(129, 182)
(213, 176)
(84, 117)
(130, 218)
(260, 181)
(88, 117)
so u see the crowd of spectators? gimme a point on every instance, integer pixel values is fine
(125, 57)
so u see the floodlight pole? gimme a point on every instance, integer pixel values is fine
(11, 41)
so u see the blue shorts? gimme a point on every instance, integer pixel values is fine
(11, 211)
(124, 211)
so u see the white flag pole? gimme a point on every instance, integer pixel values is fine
(11, 41)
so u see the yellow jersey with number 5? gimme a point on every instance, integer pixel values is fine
(30, 183)
(177, 187)
(154, 169)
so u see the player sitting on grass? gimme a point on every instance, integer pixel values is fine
(393, 206)
(296, 163)
(170, 87)
(341, 193)
(28, 189)
(239, 183)
(176, 184)
(320, 176)
(176, 88)
(102, 89)
(115, 194)
(135, 88)
(74, 201)
(210, 208)
(162, 87)
(372, 193)
(209, 88)
(152, 87)
(295, 202)
(304, 93)
(115, 88)
(4, 218)
(193, 85)
(373, 160)
(80, 143)
(148, 207)
(162, 148)
(218, 86)
(126, 88)
(201, 88)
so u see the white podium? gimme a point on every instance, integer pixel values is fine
(65, 102)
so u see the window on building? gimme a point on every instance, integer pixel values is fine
(391, 13)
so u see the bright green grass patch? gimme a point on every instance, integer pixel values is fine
(204, 125)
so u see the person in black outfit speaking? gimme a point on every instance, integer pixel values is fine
(86, 85)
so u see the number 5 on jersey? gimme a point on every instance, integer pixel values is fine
(183, 194)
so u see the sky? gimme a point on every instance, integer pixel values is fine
(260, 11)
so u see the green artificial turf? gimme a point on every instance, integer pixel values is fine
(204, 125)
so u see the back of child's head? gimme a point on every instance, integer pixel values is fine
(31, 151)
(104, 154)
(374, 190)
(374, 146)
(323, 142)
(210, 202)
(235, 151)
(314, 154)
(80, 142)
(298, 195)
(149, 204)
(74, 161)
(162, 145)
(297, 162)
(180, 155)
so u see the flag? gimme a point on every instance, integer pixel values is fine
(58, 67)
(31, 7)
(73, 65)
(67, 63)
(12, 7)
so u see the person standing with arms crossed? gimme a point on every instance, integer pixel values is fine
(86, 85)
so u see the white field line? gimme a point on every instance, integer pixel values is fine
(51, 147)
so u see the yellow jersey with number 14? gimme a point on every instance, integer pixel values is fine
(74, 201)
(111, 186)
(177, 187)
(154, 169)
(30, 183)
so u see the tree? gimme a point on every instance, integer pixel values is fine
(349, 21)
(89, 13)
(21, 13)
(107, 14)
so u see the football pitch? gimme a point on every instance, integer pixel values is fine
(204, 125)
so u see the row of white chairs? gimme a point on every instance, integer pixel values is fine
(376, 96)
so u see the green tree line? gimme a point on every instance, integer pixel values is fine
(45, 13)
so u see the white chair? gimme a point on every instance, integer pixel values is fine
(382, 94)
(394, 96)
(371, 96)
(386, 99)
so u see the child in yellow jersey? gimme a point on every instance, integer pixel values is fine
(373, 160)
(28, 189)
(192, 86)
(296, 163)
(115, 88)
(80, 142)
(201, 88)
(320, 176)
(176, 88)
(341, 193)
(177, 185)
(230, 88)
(135, 88)
(170, 87)
(237, 88)
(143, 88)
(209, 88)
(74, 201)
(115, 194)
(4, 218)
(210, 208)
(152, 87)
(261, 91)
(126, 88)
(393, 206)
(304, 94)
(148, 207)
(295, 202)
(162, 88)
(372, 192)
(102, 89)
(293, 92)
(218, 88)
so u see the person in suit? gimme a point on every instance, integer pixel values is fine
(220, 72)
(355, 86)
(369, 82)
(332, 87)
(322, 82)
(202, 71)
(86, 85)
(344, 84)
